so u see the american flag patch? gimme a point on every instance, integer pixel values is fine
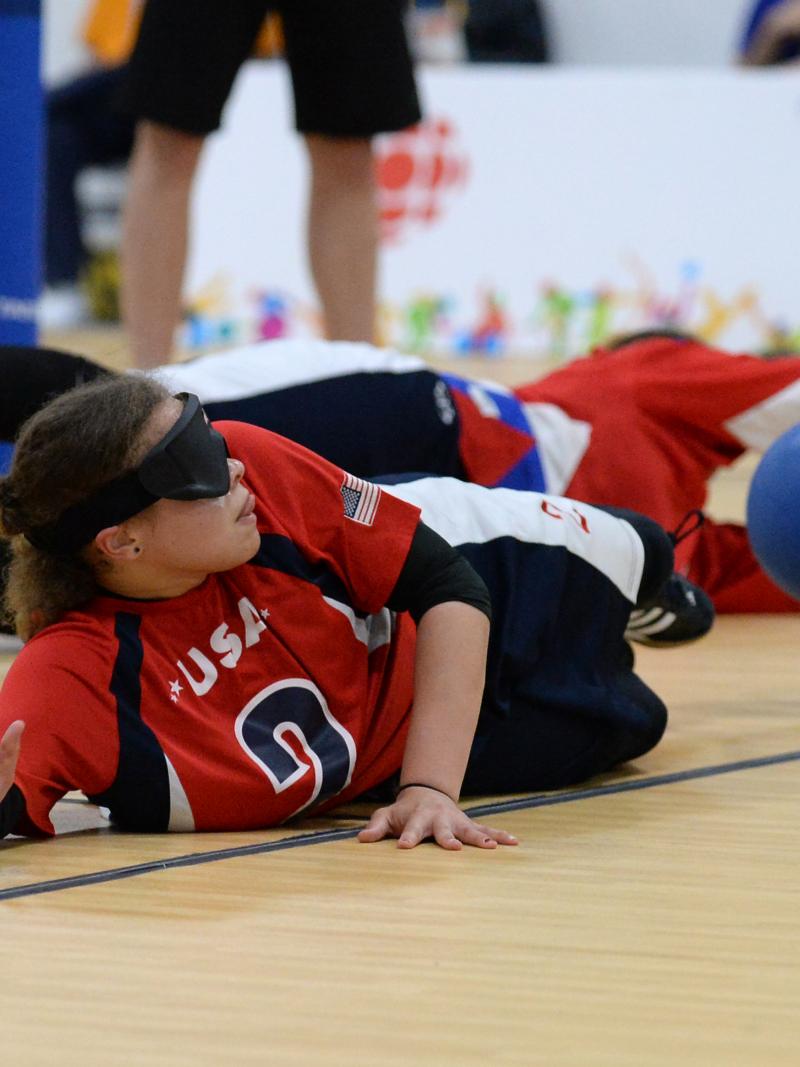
(360, 499)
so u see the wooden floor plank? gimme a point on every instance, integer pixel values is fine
(651, 928)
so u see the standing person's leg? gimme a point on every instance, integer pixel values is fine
(353, 78)
(343, 234)
(179, 78)
(155, 238)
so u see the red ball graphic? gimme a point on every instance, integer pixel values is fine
(418, 171)
(395, 170)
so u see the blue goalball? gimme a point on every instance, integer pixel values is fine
(773, 512)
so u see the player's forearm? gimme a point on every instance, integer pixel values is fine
(449, 677)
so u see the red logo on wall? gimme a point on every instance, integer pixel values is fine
(418, 172)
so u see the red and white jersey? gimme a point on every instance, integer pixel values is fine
(665, 415)
(268, 689)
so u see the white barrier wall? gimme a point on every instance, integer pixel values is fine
(536, 211)
(684, 33)
(609, 32)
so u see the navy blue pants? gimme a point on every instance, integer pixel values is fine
(561, 702)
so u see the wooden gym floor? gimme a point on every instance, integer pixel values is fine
(647, 918)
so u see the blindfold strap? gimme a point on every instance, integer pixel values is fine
(189, 463)
(77, 526)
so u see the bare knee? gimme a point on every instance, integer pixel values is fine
(164, 154)
(341, 161)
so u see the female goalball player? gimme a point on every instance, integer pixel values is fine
(225, 630)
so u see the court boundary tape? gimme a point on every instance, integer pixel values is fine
(324, 837)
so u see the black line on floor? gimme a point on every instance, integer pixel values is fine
(319, 837)
(323, 837)
(547, 800)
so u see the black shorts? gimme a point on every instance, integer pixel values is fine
(351, 67)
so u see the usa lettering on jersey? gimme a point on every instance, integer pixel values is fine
(228, 646)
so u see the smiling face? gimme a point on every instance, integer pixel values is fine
(173, 545)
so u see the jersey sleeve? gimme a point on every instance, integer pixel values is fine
(333, 517)
(55, 686)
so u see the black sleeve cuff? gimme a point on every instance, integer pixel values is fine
(435, 573)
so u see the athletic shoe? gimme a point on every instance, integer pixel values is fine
(680, 613)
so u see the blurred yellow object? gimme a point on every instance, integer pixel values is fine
(112, 25)
(101, 285)
(110, 29)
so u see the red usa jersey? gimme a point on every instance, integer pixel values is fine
(269, 689)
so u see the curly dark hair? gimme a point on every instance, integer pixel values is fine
(64, 453)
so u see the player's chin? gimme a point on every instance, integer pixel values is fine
(250, 536)
(237, 551)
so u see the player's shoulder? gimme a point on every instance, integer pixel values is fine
(78, 638)
(244, 437)
(64, 670)
(269, 454)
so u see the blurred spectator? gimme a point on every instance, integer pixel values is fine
(437, 30)
(86, 129)
(772, 34)
(506, 31)
(82, 130)
(483, 31)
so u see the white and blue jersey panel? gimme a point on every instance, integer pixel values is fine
(471, 515)
(558, 442)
